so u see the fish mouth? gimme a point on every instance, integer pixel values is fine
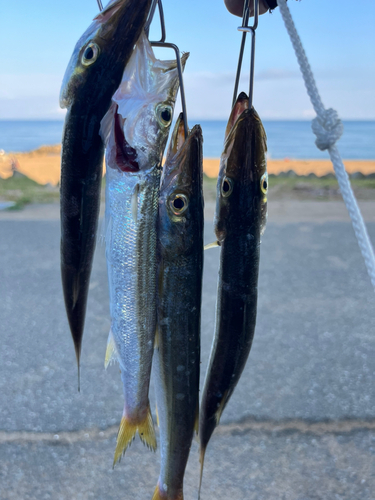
(178, 136)
(241, 104)
(108, 11)
(126, 156)
(180, 149)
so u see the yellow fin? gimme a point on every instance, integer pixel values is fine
(161, 495)
(127, 432)
(111, 352)
(157, 415)
(157, 494)
(220, 410)
(214, 244)
(201, 460)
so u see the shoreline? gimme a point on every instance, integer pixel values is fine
(43, 165)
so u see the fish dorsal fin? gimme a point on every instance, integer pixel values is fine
(111, 354)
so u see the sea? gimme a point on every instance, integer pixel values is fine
(286, 139)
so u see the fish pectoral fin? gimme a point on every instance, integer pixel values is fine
(111, 353)
(127, 432)
(214, 244)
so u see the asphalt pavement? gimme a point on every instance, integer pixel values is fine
(300, 425)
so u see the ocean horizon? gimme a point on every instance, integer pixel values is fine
(285, 138)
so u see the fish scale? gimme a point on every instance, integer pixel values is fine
(135, 130)
(177, 351)
(133, 313)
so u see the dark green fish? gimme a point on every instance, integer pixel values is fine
(92, 77)
(177, 350)
(241, 212)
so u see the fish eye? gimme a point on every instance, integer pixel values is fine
(178, 204)
(90, 54)
(226, 187)
(264, 183)
(164, 114)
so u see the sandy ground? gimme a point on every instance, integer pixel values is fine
(43, 165)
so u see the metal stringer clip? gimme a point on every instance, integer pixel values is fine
(163, 43)
(247, 29)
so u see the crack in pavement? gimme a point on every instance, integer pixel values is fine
(236, 428)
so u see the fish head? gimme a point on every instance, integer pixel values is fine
(181, 196)
(145, 103)
(243, 181)
(98, 51)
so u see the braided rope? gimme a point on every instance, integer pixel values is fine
(328, 128)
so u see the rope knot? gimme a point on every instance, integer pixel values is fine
(328, 129)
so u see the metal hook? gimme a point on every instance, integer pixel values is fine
(246, 29)
(163, 43)
(151, 18)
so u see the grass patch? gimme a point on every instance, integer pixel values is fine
(301, 187)
(24, 191)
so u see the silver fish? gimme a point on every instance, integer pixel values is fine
(177, 351)
(136, 130)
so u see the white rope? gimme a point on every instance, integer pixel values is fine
(328, 128)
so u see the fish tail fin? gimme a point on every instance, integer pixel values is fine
(201, 460)
(127, 432)
(146, 431)
(160, 494)
(126, 435)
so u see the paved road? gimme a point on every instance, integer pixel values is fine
(300, 425)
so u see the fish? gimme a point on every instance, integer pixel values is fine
(177, 347)
(91, 78)
(240, 220)
(135, 130)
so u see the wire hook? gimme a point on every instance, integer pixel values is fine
(163, 43)
(247, 29)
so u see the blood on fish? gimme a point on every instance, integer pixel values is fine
(126, 156)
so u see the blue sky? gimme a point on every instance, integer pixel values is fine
(37, 39)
